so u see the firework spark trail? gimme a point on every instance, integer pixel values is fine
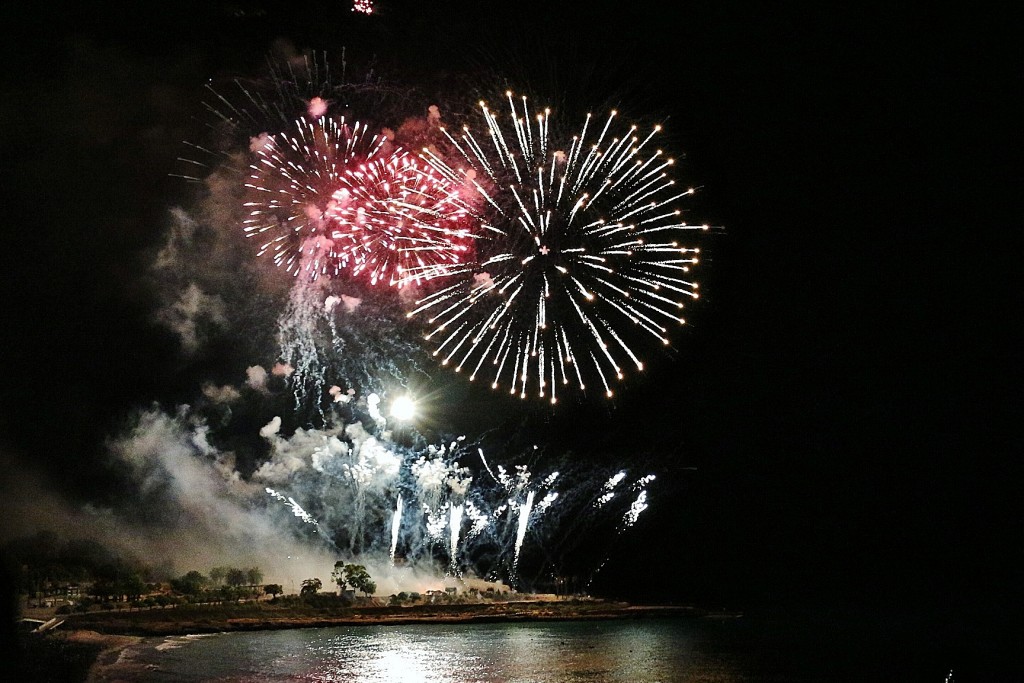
(249, 108)
(296, 509)
(246, 109)
(325, 339)
(637, 506)
(436, 522)
(396, 525)
(327, 199)
(608, 490)
(479, 520)
(514, 486)
(524, 520)
(549, 499)
(582, 261)
(454, 526)
(629, 518)
(301, 347)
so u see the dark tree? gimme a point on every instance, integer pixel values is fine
(357, 577)
(190, 584)
(217, 575)
(310, 587)
(235, 577)
(338, 575)
(254, 576)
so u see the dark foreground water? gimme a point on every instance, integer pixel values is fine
(634, 651)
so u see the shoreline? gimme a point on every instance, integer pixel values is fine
(180, 622)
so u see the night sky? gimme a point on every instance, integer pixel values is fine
(835, 423)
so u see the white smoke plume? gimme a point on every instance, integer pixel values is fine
(221, 394)
(193, 316)
(256, 377)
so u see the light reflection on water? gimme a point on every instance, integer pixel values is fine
(665, 650)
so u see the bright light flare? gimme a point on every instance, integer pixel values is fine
(403, 409)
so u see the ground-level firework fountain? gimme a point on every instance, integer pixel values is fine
(350, 490)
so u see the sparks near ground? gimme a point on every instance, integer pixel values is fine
(580, 256)
(370, 497)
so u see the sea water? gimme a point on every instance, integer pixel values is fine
(576, 651)
(665, 650)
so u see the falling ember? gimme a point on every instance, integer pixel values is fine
(578, 265)
(479, 520)
(633, 513)
(396, 525)
(295, 508)
(549, 498)
(608, 490)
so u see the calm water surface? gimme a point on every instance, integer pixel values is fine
(643, 650)
(820, 647)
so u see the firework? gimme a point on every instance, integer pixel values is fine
(330, 339)
(580, 264)
(396, 525)
(294, 507)
(391, 504)
(328, 198)
(524, 520)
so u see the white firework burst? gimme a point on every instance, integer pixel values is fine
(579, 259)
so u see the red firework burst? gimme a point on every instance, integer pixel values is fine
(335, 201)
